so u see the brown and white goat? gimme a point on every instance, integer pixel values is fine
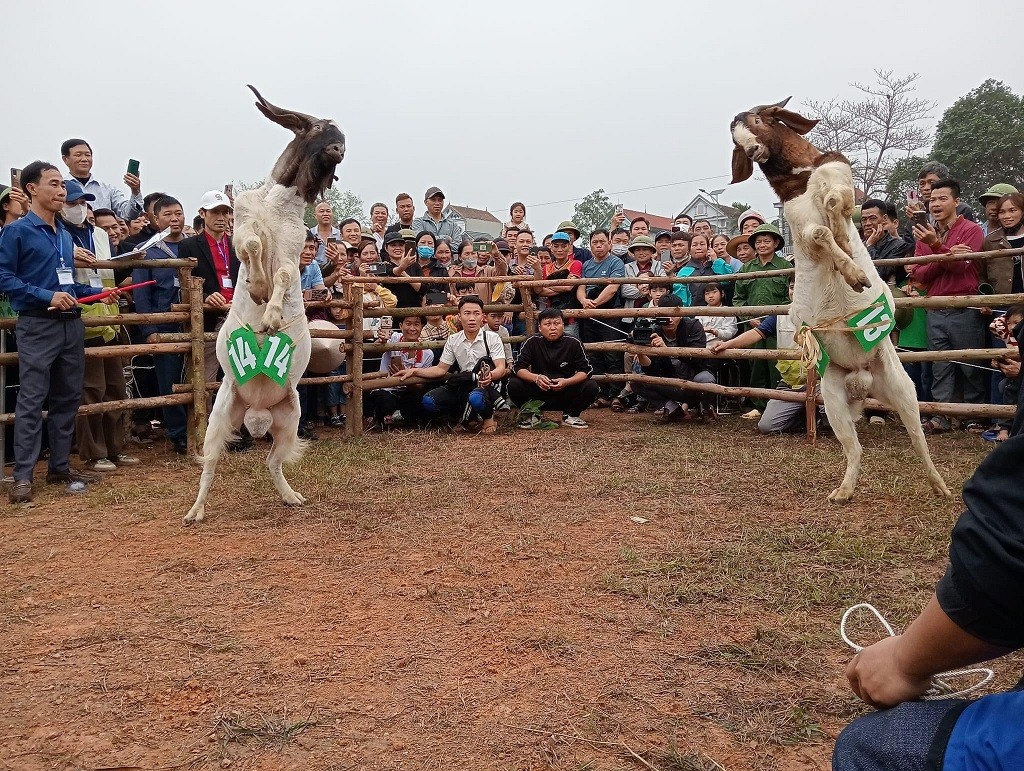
(833, 268)
(268, 236)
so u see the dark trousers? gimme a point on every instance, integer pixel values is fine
(383, 402)
(763, 373)
(569, 401)
(51, 366)
(101, 435)
(450, 400)
(604, 362)
(950, 330)
(167, 368)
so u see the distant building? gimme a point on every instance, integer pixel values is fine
(658, 223)
(721, 217)
(479, 222)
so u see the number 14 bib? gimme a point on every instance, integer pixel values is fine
(248, 358)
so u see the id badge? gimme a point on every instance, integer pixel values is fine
(65, 276)
(96, 282)
(227, 282)
(177, 283)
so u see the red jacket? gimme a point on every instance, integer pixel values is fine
(944, 279)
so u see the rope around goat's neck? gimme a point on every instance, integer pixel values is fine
(940, 688)
(810, 348)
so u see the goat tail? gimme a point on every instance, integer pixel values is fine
(295, 451)
(858, 387)
(257, 421)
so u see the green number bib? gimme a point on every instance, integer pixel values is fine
(248, 358)
(879, 319)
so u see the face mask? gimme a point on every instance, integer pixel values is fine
(619, 249)
(74, 214)
(425, 252)
(665, 255)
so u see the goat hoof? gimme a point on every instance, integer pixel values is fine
(295, 499)
(859, 281)
(941, 491)
(195, 515)
(840, 496)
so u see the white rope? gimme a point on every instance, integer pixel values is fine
(952, 361)
(941, 687)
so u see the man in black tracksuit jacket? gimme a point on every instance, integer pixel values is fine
(553, 367)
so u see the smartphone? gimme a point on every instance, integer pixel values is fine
(437, 298)
(618, 208)
(913, 196)
(482, 247)
(229, 190)
(921, 218)
(484, 371)
(334, 240)
(16, 178)
(133, 167)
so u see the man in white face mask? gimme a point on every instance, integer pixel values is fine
(100, 437)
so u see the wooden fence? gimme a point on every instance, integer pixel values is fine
(193, 338)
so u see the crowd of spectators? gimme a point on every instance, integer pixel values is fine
(61, 230)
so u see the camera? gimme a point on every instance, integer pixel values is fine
(377, 268)
(643, 330)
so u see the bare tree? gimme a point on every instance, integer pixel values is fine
(877, 131)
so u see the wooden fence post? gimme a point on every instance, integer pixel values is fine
(529, 310)
(354, 359)
(197, 415)
(812, 403)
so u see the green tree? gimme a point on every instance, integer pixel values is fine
(903, 179)
(344, 203)
(981, 138)
(593, 212)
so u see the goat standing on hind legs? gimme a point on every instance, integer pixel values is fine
(833, 270)
(263, 345)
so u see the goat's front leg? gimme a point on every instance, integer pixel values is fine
(839, 205)
(249, 246)
(821, 245)
(273, 315)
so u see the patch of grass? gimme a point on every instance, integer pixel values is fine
(263, 729)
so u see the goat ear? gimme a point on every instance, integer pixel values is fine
(794, 120)
(742, 166)
(294, 121)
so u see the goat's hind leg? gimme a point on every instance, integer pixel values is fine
(841, 415)
(287, 447)
(822, 246)
(225, 419)
(893, 386)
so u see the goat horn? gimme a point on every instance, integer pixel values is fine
(266, 106)
(759, 108)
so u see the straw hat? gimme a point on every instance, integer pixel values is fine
(326, 354)
(730, 248)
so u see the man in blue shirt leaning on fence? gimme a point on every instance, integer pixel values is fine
(37, 271)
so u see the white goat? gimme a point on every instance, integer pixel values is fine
(268, 236)
(833, 268)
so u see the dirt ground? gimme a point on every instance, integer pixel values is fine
(629, 597)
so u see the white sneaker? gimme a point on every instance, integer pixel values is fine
(125, 460)
(530, 421)
(100, 464)
(752, 415)
(877, 420)
(573, 422)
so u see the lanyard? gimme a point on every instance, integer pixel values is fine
(58, 245)
(223, 255)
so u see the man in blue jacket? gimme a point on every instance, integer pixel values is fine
(37, 272)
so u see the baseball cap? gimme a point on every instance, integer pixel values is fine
(997, 191)
(432, 191)
(408, 234)
(502, 245)
(561, 235)
(391, 237)
(76, 192)
(214, 200)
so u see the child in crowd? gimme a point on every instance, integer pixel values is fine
(375, 328)
(717, 327)
(435, 329)
(382, 403)
(1007, 329)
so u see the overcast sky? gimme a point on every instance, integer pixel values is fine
(493, 102)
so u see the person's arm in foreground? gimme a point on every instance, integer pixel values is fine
(900, 668)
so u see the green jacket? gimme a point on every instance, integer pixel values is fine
(763, 291)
